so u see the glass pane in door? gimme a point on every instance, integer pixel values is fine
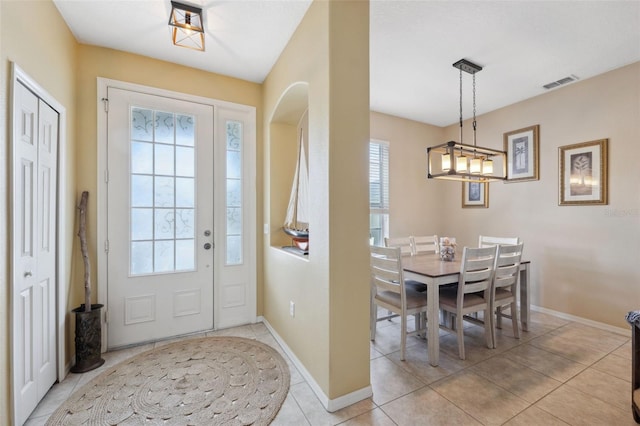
(162, 192)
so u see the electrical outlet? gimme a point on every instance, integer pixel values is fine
(292, 309)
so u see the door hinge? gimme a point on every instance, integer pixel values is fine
(105, 102)
(106, 176)
(106, 246)
(106, 316)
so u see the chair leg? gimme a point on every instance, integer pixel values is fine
(403, 336)
(488, 328)
(373, 320)
(514, 320)
(499, 317)
(460, 334)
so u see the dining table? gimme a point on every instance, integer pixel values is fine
(434, 272)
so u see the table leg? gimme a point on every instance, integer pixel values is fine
(524, 297)
(433, 324)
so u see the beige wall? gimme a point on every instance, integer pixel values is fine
(584, 258)
(330, 289)
(420, 213)
(49, 56)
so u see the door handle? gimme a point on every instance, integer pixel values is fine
(27, 274)
(207, 246)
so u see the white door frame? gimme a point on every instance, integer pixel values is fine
(18, 76)
(102, 85)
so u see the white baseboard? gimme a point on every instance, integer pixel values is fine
(330, 405)
(585, 321)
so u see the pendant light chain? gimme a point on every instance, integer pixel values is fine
(474, 109)
(461, 105)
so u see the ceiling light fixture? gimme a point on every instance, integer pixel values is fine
(462, 162)
(187, 30)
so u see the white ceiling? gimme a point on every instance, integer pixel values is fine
(522, 45)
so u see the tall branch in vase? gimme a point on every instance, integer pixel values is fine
(82, 233)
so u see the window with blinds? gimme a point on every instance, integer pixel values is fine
(378, 191)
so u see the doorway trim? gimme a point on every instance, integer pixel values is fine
(102, 175)
(18, 76)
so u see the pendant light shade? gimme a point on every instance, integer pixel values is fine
(187, 28)
(487, 167)
(461, 164)
(475, 166)
(446, 162)
(473, 163)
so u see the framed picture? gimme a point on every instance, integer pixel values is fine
(522, 151)
(583, 173)
(475, 194)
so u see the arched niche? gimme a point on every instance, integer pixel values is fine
(290, 117)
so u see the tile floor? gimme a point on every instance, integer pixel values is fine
(559, 373)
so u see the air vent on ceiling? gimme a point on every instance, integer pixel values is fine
(560, 82)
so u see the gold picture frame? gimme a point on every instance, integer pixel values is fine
(475, 195)
(523, 154)
(583, 173)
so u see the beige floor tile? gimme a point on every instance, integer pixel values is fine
(36, 421)
(417, 364)
(290, 414)
(259, 328)
(58, 394)
(568, 347)
(477, 396)
(245, 331)
(475, 347)
(533, 416)
(388, 339)
(545, 362)
(426, 407)
(315, 412)
(603, 386)
(170, 340)
(579, 409)
(518, 379)
(624, 351)
(268, 339)
(373, 353)
(546, 320)
(590, 337)
(389, 381)
(615, 365)
(375, 417)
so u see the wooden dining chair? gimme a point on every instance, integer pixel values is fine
(404, 243)
(406, 249)
(505, 287)
(388, 290)
(424, 244)
(472, 294)
(487, 241)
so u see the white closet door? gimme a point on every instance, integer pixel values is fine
(34, 250)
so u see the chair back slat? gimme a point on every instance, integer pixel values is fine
(424, 244)
(487, 241)
(386, 269)
(404, 243)
(476, 270)
(507, 265)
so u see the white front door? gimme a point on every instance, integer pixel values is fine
(35, 146)
(160, 263)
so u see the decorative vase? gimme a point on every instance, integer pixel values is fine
(447, 249)
(88, 339)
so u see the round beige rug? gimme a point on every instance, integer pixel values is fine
(206, 381)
